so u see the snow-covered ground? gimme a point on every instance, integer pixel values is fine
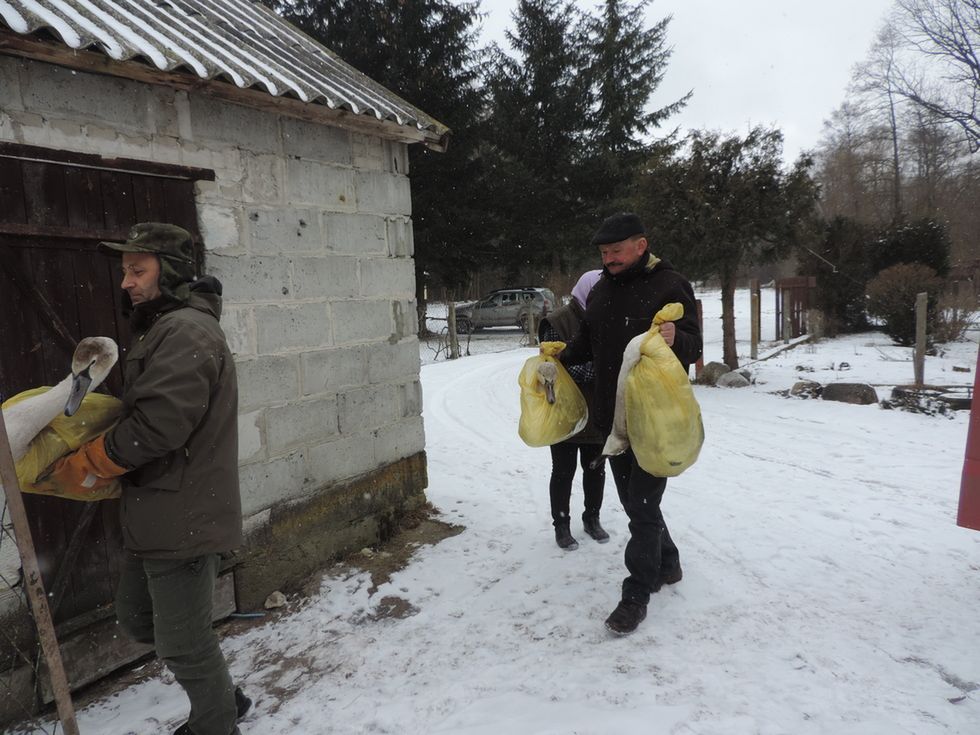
(827, 588)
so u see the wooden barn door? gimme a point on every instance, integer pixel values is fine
(55, 289)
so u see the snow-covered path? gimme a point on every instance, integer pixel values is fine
(827, 588)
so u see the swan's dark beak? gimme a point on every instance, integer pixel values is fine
(79, 389)
(549, 392)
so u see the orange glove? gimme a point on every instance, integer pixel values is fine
(86, 469)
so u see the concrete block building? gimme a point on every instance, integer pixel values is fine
(291, 170)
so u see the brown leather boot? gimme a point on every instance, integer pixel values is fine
(626, 617)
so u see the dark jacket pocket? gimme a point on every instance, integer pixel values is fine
(155, 522)
(164, 473)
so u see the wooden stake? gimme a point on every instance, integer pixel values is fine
(699, 365)
(756, 318)
(919, 357)
(787, 295)
(35, 586)
(451, 323)
(532, 328)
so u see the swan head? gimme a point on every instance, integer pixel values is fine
(547, 375)
(91, 363)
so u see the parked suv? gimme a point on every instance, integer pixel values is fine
(505, 307)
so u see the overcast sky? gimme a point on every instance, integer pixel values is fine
(780, 62)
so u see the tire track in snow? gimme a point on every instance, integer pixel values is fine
(454, 411)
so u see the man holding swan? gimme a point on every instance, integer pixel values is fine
(634, 286)
(176, 448)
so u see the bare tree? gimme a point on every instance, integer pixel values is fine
(856, 164)
(943, 75)
(876, 79)
(840, 163)
(932, 159)
(902, 139)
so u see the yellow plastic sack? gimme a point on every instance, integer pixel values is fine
(663, 418)
(543, 424)
(97, 414)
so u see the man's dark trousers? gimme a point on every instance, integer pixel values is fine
(168, 603)
(650, 547)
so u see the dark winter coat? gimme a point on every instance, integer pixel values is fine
(565, 322)
(621, 307)
(179, 431)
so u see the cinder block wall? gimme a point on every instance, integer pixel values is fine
(308, 227)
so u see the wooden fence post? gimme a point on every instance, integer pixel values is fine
(787, 326)
(699, 365)
(919, 356)
(451, 321)
(756, 310)
(34, 586)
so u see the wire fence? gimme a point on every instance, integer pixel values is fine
(437, 342)
(21, 662)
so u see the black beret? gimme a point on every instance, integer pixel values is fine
(617, 228)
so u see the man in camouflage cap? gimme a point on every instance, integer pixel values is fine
(176, 448)
(174, 248)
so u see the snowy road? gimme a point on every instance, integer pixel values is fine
(827, 588)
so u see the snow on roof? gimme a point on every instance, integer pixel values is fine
(240, 41)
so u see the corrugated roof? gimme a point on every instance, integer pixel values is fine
(240, 41)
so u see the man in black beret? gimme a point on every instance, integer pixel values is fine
(634, 286)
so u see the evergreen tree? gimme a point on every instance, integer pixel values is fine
(726, 204)
(923, 241)
(425, 52)
(627, 65)
(841, 263)
(539, 122)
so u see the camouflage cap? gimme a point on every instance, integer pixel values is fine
(158, 238)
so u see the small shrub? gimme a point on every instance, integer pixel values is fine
(891, 298)
(954, 316)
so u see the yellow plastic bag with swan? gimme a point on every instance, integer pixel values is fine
(656, 411)
(97, 414)
(552, 406)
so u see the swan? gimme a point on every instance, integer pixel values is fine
(618, 442)
(547, 374)
(90, 364)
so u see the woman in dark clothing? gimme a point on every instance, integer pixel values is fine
(562, 325)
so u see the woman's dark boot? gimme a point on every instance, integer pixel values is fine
(592, 527)
(564, 538)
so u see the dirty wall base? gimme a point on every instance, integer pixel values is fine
(303, 537)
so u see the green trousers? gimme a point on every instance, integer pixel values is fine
(168, 603)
